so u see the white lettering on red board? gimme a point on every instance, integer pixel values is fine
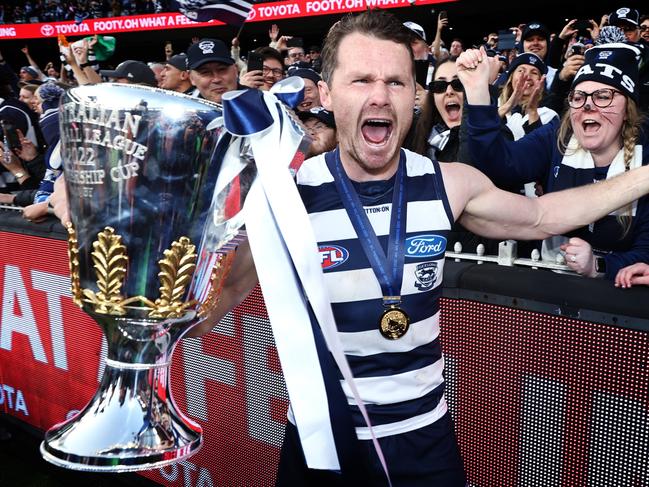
(18, 315)
(275, 11)
(13, 399)
(7, 32)
(172, 472)
(262, 384)
(201, 367)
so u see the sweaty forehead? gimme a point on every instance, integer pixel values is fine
(361, 52)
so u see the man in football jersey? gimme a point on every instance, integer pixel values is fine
(385, 301)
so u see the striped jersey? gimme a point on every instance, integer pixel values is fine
(400, 381)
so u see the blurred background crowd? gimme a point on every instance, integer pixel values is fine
(544, 131)
(30, 11)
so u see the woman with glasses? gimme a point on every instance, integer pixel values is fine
(599, 137)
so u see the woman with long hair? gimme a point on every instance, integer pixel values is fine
(519, 104)
(437, 133)
(599, 137)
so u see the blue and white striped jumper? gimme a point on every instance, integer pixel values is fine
(400, 381)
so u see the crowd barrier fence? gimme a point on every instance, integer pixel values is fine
(547, 375)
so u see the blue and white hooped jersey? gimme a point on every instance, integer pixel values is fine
(400, 381)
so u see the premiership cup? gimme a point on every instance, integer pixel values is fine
(149, 245)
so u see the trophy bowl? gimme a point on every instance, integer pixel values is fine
(149, 245)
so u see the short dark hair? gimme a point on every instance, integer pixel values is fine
(267, 52)
(374, 23)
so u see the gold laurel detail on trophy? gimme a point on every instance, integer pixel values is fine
(73, 261)
(109, 260)
(220, 271)
(175, 274)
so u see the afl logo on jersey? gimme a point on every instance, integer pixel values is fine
(425, 246)
(332, 256)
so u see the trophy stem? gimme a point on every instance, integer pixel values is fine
(132, 422)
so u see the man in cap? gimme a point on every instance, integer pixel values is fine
(131, 72)
(627, 19)
(418, 41)
(321, 126)
(175, 76)
(536, 39)
(211, 69)
(311, 80)
(28, 74)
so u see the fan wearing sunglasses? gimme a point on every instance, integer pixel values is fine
(437, 134)
(600, 136)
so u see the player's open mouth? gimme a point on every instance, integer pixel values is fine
(376, 130)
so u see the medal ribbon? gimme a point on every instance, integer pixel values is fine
(388, 270)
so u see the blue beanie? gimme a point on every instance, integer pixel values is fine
(50, 93)
(615, 65)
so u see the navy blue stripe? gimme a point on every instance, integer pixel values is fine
(320, 198)
(325, 196)
(440, 191)
(356, 258)
(398, 411)
(418, 306)
(385, 364)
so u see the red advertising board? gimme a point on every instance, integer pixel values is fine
(51, 357)
(537, 399)
(260, 13)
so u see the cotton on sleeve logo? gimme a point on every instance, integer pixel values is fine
(332, 256)
(425, 246)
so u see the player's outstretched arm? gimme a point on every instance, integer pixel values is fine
(486, 210)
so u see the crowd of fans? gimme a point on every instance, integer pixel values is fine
(30, 11)
(539, 119)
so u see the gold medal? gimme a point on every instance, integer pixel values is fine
(394, 323)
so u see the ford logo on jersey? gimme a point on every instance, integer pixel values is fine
(425, 246)
(332, 256)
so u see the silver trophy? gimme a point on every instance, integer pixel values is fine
(149, 246)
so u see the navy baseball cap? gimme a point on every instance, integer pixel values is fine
(208, 51)
(623, 16)
(304, 70)
(535, 28)
(178, 61)
(134, 71)
(325, 116)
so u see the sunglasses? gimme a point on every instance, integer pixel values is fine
(439, 86)
(644, 28)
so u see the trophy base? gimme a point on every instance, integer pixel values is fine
(117, 465)
(131, 424)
